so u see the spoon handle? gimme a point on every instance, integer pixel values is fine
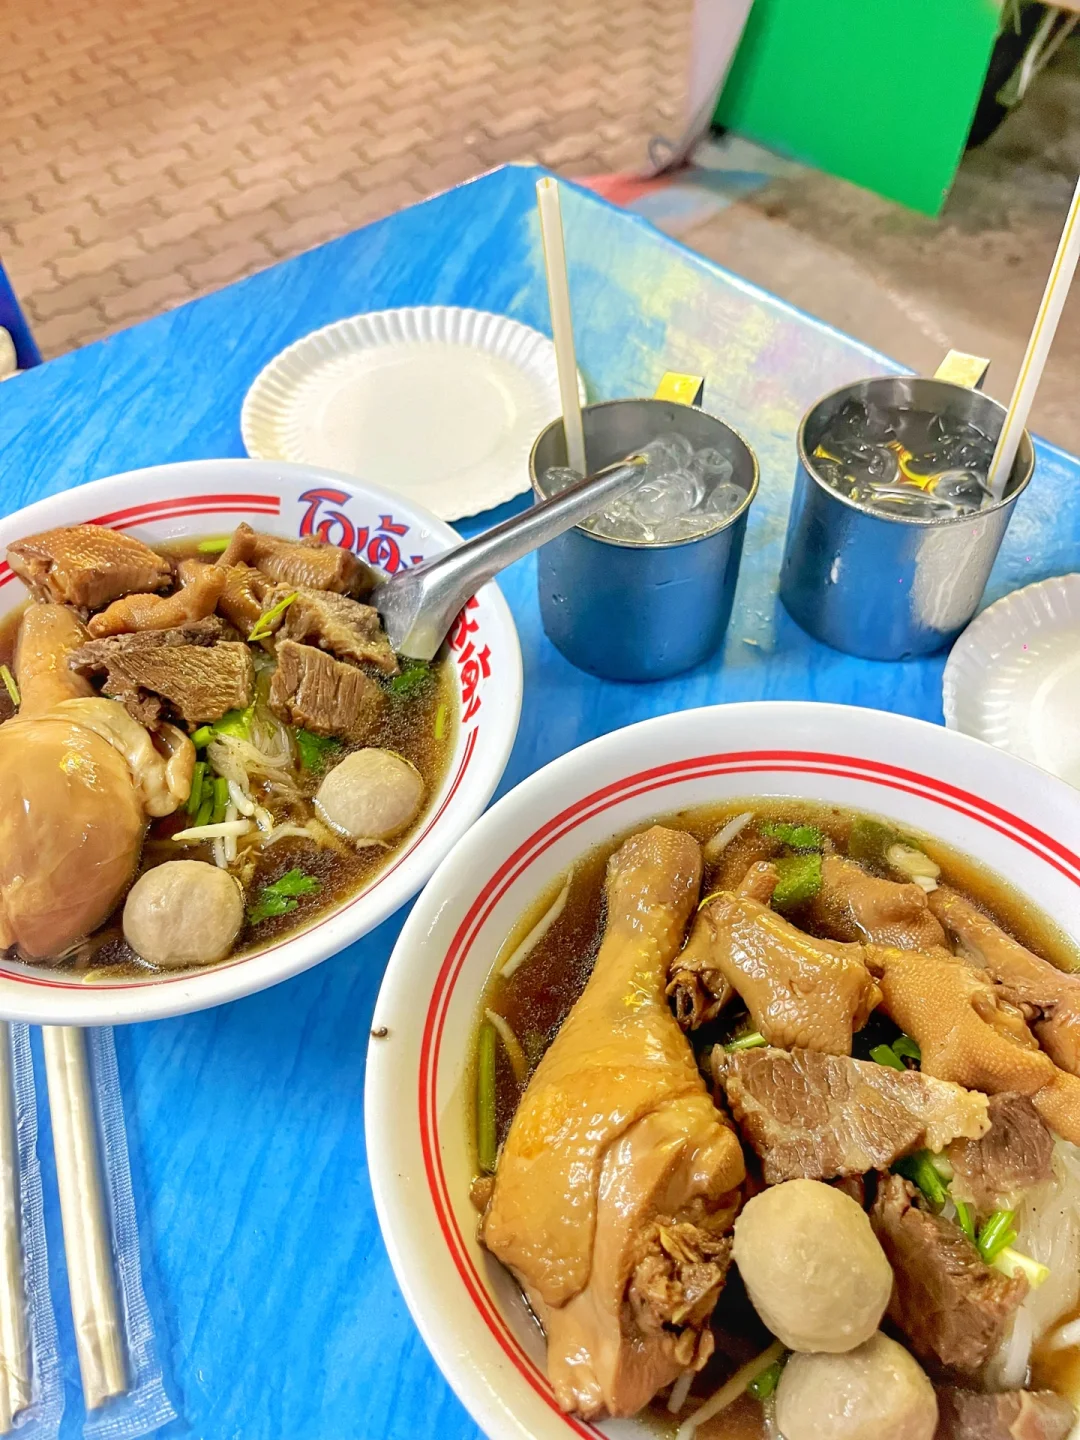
(418, 605)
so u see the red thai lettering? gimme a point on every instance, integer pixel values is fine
(475, 666)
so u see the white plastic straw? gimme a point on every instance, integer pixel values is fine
(94, 1306)
(15, 1393)
(1042, 337)
(562, 328)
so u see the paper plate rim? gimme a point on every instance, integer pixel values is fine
(482, 330)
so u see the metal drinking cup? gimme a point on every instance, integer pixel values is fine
(888, 586)
(634, 610)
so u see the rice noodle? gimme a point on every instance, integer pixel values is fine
(512, 1043)
(539, 930)
(729, 1392)
(1048, 1229)
(286, 831)
(679, 1391)
(714, 848)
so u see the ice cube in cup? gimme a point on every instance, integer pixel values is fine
(558, 478)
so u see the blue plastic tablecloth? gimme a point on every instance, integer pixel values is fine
(277, 1311)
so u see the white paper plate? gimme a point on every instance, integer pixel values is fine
(439, 404)
(1013, 677)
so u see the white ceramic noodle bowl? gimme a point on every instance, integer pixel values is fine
(1017, 820)
(210, 497)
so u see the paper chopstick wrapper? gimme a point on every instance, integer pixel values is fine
(15, 1385)
(91, 1280)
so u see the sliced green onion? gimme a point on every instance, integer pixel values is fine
(411, 680)
(262, 627)
(886, 1055)
(221, 800)
(799, 837)
(440, 722)
(1013, 1262)
(486, 1144)
(195, 798)
(800, 879)
(906, 1048)
(921, 1171)
(750, 1041)
(314, 749)
(10, 686)
(996, 1234)
(206, 809)
(965, 1219)
(215, 546)
(764, 1385)
(202, 737)
(235, 722)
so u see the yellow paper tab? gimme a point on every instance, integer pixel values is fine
(960, 369)
(683, 389)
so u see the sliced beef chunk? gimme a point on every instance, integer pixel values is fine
(324, 695)
(854, 905)
(953, 1308)
(200, 676)
(1013, 1155)
(817, 1117)
(87, 566)
(344, 627)
(300, 562)
(1014, 1415)
(243, 599)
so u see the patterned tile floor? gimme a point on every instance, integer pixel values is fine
(152, 150)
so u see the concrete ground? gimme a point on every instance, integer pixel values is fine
(151, 150)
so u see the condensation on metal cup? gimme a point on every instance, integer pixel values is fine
(881, 586)
(630, 610)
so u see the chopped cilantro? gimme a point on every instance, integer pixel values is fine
(278, 898)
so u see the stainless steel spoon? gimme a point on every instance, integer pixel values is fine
(418, 606)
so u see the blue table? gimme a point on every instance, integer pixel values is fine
(277, 1311)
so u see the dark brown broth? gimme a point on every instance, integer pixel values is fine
(407, 727)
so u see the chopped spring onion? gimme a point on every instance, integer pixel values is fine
(221, 800)
(922, 1172)
(730, 1392)
(996, 1235)
(215, 546)
(886, 1055)
(538, 931)
(197, 781)
(279, 898)
(206, 807)
(750, 1041)
(314, 749)
(411, 680)
(264, 625)
(202, 737)
(1012, 1262)
(440, 722)
(714, 848)
(765, 1384)
(235, 722)
(10, 686)
(800, 879)
(965, 1219)
(512, 1044)
(206, 831)
(486, 1144)
(906, 1048)
(798, 837)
